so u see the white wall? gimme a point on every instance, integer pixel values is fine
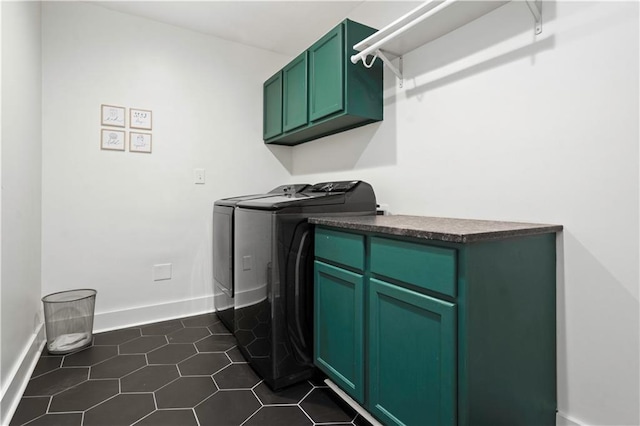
(21, 316)
(494, 123)
(109, 216)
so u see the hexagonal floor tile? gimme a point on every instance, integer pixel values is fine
(322, 406)
(46, 364)
(116, 337)
(161, 328)
(200, 320)
(58, 419)
(289, 395)
(149, 378)
(227, 408)
(56, 381)
(143, 345)
(171, 354)
(235, 355)
(218, 328)
(217, 343)
(204, 364)
(84, 396)
(277, 416)
(236, 376)
(169, 418)
(90, 356)
(123, 409)
(28, 409)
(186, 392)
(117, 367)
(188, 335)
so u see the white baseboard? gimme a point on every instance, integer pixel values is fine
(564, 420)
(19, 378)
(105, 321)
(352, 403)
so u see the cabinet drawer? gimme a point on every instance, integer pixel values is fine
(429, 267)
(340, 247)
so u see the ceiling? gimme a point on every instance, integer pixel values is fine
(286, 27)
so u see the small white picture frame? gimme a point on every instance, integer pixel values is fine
(140, 142)
(112, 115)
(112, 140)
(140, 118)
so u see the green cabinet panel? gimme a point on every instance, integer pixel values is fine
(483, 354)
(326, 75)
(340, 247)
(509, 329)
(294, 82)
(272, 106)
(340, 95)
(429, 267)
(412, 356)
(339, 327)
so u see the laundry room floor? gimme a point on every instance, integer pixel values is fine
(181, 372)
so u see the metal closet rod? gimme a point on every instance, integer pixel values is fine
(374, 49)
(375, 46)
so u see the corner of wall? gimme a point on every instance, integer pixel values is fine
(17, 381)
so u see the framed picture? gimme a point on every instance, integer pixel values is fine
(140, 142)
(112, 115)
(139, 119)
(112, 139)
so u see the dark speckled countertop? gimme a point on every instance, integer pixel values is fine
(437, 228)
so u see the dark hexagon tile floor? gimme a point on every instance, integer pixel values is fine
(180, 372)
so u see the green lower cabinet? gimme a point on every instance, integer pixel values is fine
(339, 327)
(425, 333)
(412, 357)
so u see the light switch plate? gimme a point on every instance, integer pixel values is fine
(198, 176)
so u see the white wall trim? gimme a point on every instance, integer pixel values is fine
(106, 321)
(19, 378)
(563, 419)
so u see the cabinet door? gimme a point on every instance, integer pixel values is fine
(339, 327)
(412, 356)
(326, 75)
(294, 82)
(272, 107)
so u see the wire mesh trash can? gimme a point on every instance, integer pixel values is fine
(68, 317)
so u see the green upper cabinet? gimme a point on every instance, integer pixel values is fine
(323, 92)
(326, 75)
(272, 106)
(294, 82)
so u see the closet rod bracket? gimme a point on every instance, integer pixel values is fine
(535, 6)
(387, 62)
